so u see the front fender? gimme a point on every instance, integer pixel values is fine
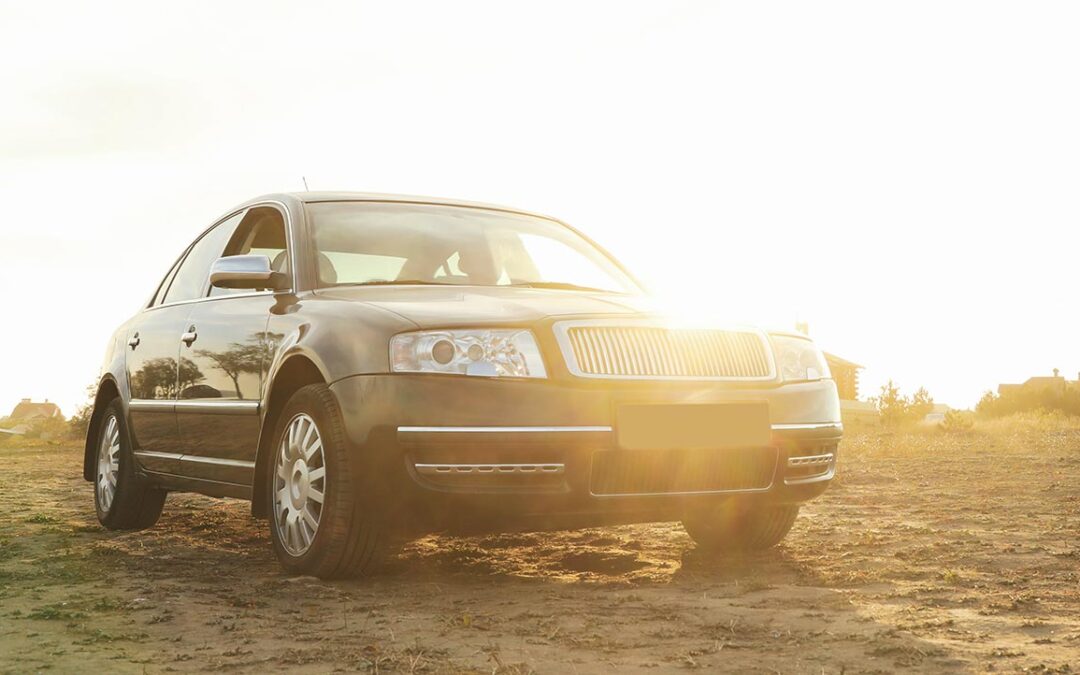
(342, 338)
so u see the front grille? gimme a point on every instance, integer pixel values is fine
(665, 353)
(623, 472)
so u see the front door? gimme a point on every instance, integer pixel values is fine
(218, 416)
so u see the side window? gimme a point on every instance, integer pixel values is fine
(193, 276)
(261, 232)
(159, 297)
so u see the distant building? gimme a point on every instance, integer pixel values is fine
(28, 411)
(1056, 383)
(846, 375)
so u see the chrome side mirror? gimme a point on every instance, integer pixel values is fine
(246, 271)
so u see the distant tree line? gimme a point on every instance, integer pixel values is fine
(1030, 398)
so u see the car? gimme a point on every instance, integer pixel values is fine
(364, 368)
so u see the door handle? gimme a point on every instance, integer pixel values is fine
(189, 337)
(134, 341)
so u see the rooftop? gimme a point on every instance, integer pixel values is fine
(27, 409)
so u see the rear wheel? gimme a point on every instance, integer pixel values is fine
(123, 500)
(737, 526)
(319, 522)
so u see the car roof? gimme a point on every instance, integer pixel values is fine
(345, 196)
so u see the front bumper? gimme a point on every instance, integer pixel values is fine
(477, 454)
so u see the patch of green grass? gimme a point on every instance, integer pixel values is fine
(42, 518)
(99, 636)
(106, 605)
(55, 613)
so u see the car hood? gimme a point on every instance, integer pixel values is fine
(435, 306)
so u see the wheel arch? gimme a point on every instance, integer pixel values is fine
(295, 371)
(107, 390)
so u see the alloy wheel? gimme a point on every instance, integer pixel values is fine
(108, 464)
(299, 485)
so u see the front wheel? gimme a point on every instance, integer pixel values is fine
(123, 500)
(734, 526)
(319, 522)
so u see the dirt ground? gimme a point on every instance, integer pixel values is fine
(932, 552)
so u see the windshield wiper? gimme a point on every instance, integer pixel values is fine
(560, 285)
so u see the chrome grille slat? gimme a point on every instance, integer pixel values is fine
(644, 350)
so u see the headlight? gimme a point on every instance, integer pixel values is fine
(482, 352)
(799, 359)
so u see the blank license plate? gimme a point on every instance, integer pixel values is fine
(692, 426)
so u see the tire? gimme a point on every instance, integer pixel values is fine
(311, 460)
(122, 499)
(735, 526)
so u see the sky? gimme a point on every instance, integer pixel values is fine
(901, 176)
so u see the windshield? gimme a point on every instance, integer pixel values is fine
(387, 243)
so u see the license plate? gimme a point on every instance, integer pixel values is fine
(692, 426)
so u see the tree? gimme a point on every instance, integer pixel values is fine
(162, 378)
(238, 359)
(922, 404)
(896, 409)
(80, 421)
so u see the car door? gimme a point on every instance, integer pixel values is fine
(218, 417)
(152, 370)
(157, 370)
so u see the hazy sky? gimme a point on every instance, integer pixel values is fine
(904, 176)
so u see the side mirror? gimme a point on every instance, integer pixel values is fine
(246, 271)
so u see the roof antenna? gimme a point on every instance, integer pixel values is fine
(304, 178)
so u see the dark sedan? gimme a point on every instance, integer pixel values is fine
(364, 367)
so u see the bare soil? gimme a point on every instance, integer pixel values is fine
(932, 552)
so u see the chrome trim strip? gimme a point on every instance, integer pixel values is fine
(206, 407)
(218, 407)
(216, 461)
(151, 454)
(148, 405)
(837, 426)
(467, 469)
(502, 430)
(817, 477)
(562, 328)
(616, 495)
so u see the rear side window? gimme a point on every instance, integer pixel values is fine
(193, 276)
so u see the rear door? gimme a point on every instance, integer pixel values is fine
(157, 370)
(152, 370)
(219, 417)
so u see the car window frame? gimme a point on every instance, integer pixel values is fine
(239, 215)
(163, 286)
(289, 243)
(289, 252)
